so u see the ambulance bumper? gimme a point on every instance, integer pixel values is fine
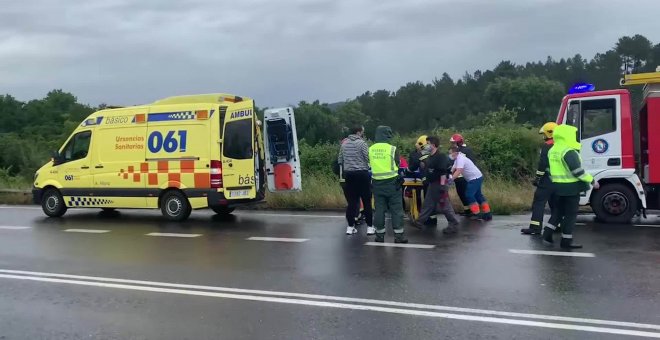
(218, 199)
(36, 195)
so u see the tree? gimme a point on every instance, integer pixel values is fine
(535, 98)
(634, 51)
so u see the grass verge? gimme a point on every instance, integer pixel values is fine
(320, 192)
(323, 193)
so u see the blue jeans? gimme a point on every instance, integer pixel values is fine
(473, 192)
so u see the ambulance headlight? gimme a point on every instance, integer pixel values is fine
(36, 174)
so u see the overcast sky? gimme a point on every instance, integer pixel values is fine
(279, 52)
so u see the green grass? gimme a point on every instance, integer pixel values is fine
(322, 192)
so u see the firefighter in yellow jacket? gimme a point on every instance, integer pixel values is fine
(569, 179)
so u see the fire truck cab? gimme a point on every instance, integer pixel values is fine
(620, 148)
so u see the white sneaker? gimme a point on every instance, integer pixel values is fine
(371, 230)
(351, 231)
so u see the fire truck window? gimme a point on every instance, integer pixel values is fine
(573, 114)
(598, 117)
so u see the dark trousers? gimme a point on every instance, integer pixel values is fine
(566, 212)
(358, 187)
(545, 193)
(461, 189)
(387, 196)
(437, 200)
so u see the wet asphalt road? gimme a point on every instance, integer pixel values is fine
(467, 282)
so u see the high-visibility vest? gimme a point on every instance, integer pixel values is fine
(559, 171)
(381, 158)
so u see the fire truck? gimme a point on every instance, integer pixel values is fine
(620, 148)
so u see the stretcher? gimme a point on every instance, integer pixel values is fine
(413, 196)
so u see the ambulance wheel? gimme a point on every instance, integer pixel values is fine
(222, 210)
(108, 210)
(175, 206)
(52, 203)
(614, 203)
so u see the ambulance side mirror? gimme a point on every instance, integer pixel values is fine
(57, 158)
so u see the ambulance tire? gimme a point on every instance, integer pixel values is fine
(175, 206)
(614, 203)
(52, 203)
(222, 210)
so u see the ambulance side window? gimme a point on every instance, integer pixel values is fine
(238, 139)
(78, 147)
(598, 117)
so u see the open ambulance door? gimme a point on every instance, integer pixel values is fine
(282, 155)
(238, 152)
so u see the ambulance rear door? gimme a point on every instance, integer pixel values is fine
(239, 152)
(281, 148)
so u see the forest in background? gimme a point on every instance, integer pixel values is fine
(498, 110)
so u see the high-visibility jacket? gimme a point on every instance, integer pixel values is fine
(382, 160)
(561, 172)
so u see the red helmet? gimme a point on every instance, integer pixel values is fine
(456, 138)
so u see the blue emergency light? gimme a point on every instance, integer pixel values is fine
(581, 88)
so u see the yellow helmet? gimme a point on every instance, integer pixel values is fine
(547, 129)
(421, 141)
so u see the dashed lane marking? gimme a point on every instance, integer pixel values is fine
(13, 227)
(277, 239)
(25, 207)
(551, 253)
(89, 231)
(291, 215)
(392, 307)
(401, 245)
(174, 235)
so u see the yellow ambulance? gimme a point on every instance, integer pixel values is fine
(176, 154)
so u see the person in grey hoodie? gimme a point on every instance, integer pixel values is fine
(354, 160)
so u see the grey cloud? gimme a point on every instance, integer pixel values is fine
(280, 52)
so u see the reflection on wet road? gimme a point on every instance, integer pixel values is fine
(296, 275)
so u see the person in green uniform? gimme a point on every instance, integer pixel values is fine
(384, 160)
(569, 179)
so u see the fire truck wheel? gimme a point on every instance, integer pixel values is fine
(175, 206)
(614, 203)
(222, 210)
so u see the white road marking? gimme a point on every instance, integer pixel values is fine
(174, 235)
(13, 227)
(551, 253)
(401, 245)
(90, 231)
(27, 207)
(341, 299)
(277, 239)
(580, 223)
(290, 215)
(402, 311)
(648, 225)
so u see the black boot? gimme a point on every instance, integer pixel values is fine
(567, 243)
(451, 229)
(547, 236)
(399, 238)
(380, 238)
(532, 230)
